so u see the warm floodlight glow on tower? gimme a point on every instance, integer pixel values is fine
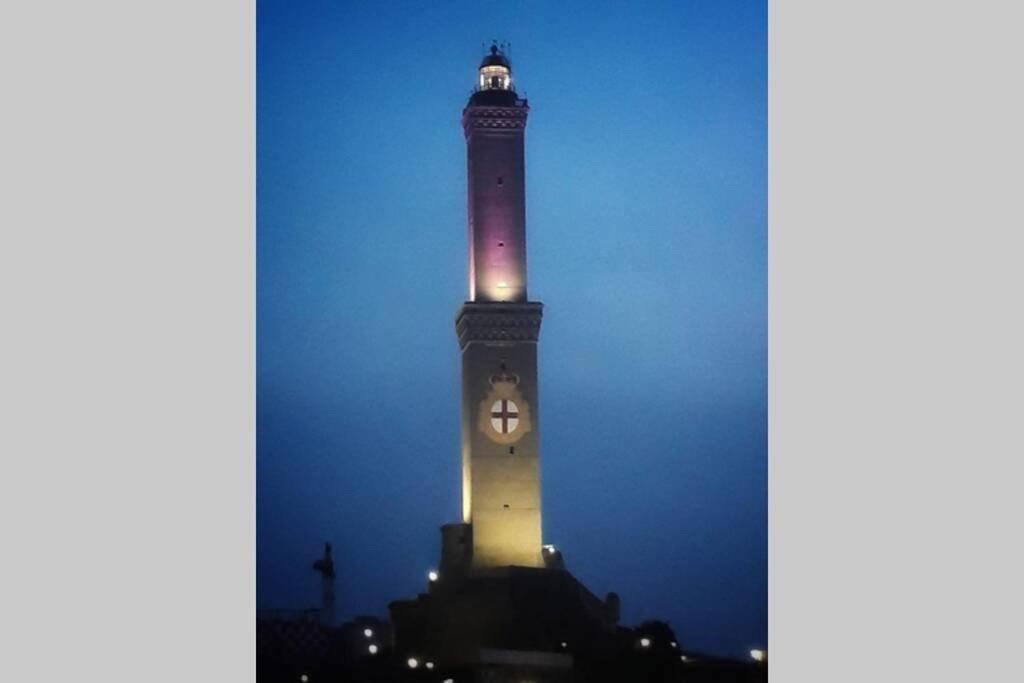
(498, 329)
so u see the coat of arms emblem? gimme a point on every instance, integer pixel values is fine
(504, 414)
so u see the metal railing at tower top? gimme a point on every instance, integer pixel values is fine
(478, 89)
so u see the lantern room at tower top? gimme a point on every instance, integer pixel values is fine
(496, 71)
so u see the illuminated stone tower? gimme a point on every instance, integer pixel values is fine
(502, 604)
(498, 329)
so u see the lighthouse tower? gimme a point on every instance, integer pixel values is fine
(501, 600)
(498, 329)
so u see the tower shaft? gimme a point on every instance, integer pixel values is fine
(497, 201)
(501, 470)
(498, 330)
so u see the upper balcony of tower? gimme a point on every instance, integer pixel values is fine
(494, 85)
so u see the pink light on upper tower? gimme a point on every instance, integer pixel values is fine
(494, 122)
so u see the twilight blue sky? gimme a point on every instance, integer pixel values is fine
(646, 156)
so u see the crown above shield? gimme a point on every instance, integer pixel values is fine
(504, 377)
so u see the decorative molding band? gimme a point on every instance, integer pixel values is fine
(501, 118)
(498, 322)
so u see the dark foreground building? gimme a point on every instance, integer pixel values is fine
(503, 606)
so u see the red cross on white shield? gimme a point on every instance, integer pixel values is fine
(504, 416)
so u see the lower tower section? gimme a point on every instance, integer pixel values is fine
(500, 444)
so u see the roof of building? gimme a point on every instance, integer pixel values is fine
(496, 58)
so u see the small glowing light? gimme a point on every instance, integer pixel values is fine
(502, 285)
(412, 663)
(368, 633)
(682, 658)
(564, 644)
(429, 665)
(758, 655)
(495, 76)
(303, 678)
(448, 680)
(372, 649)
(433, 576)
(645, 642)
(549, 548)
(674, 644)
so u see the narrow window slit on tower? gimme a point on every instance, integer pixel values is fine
(511, 450)
(501, 244)
(506, 506)
(501, 181)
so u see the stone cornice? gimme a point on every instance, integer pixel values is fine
(476, 117)
(497, 322)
